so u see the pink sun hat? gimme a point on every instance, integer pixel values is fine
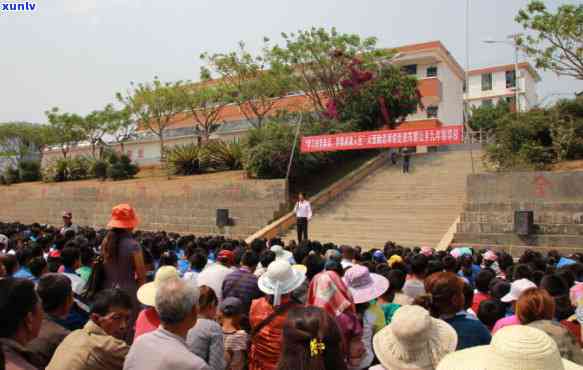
(363, 285)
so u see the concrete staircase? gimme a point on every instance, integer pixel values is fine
(414, 209)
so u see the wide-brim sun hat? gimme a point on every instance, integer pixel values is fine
(279, 279)
(280, 253)
(147, 292)
(123, 217)
(363, 285)
(414, 340)
(515, 347)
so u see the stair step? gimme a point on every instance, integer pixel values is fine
(412, 210)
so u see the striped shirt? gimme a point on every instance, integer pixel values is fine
(242, 284)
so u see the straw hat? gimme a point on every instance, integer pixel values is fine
(363, 285)
(280, 279)
(515, 347)
(147, 292)
(414, 340)
(123, 217)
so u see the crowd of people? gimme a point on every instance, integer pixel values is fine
(77, 298)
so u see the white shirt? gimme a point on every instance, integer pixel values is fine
(303, 209)
(213, 276)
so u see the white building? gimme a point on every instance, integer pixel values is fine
(487, 86)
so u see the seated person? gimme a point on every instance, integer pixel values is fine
(57, 299)
(99, 345)
(20, 321)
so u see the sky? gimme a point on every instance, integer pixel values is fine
(76, 54)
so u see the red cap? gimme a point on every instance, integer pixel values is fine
(227, 256)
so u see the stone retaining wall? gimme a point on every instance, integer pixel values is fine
(184, 205)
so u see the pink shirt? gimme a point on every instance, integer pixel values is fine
(147, 321)
(507, 321)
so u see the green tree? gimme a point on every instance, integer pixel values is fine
(553, 39)
(19, 140)
(94, 127)
(65, 130)
(486, 117)
(381, 97)
(253, 83)
(119, 125)
(154, 105)
(205, 103)
(318, 58)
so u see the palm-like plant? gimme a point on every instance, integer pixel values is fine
(224, 156)
(184, 159)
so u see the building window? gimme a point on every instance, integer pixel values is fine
(432, 111)
(140, 153)
(487, 103)
(432, 71)
(129, 154)
(486, 81)
(410, 69)
(510, 79)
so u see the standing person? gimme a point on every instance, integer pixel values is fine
(406, 161)
(311, 340)
(122, 256)
(20, 322)
(165, 348)
(68, 223)
(268, 314)
(303, 211)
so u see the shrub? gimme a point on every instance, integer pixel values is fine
(220, 155)
(185, 159)
(269, 149)
(121, 168)
(99, 169)
(29, 170)
(12, 175)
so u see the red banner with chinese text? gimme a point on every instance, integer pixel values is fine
(383, 139)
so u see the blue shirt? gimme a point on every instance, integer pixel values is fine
(470, 332)
(23, 273)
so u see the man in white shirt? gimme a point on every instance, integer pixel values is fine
(303, 212)
(68, 223)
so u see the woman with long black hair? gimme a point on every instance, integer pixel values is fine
(311, 341)
(123, 261)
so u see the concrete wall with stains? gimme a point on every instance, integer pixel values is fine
(556, 198)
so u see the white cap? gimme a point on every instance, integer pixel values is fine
(516, 289)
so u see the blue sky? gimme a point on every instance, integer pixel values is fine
(75, 54)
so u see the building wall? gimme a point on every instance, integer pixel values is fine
(450, 107)
(526, 83)
(183, 205)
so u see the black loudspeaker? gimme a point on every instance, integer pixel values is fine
(523, 222)
(222, 217)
